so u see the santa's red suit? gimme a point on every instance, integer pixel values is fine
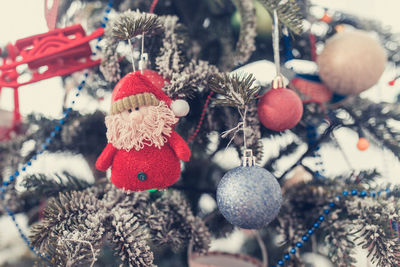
(148, 167)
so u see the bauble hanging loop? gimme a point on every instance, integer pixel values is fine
(278, 82)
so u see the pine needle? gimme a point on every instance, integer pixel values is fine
(235, 91)
(132, 23)
(288, 13)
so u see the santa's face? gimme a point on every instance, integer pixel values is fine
(135, 128)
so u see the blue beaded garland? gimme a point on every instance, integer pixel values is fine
(44, 147)
(321, 218)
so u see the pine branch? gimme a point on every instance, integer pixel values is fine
(376, 119)
(311, 148)
(235, 91)
(288, 13)
(288, 150)
(170, 59)
(373, 231)
(42, 185)
(129, 239)
(353, 220)
(132, 23)
(65, 213)
(169, 210)
(77, 223)
(193, 76)
(246, 43)
(341, 244)
(109, 64)
(253, 133)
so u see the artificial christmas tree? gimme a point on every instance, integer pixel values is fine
(183, 53)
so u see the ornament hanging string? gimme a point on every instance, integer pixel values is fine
(143, 58)
(141, 62)
(244, 127)
(278, 80)
(240, 126)
(275, 42)
(131, 54)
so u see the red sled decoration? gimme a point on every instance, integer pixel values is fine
(55, 53)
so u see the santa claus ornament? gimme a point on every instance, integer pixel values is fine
(143, 149)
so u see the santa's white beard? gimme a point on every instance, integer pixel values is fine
(125, 132)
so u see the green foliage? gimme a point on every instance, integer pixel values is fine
(132, 23)
(288, 13)
(235, 91)
(77, 223)
(353, 221)
(42, 185)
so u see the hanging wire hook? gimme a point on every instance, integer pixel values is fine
(275, 43)
(133, 61)
(143, 57)
(278, 81)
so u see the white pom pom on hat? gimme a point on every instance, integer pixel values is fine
(180, 107)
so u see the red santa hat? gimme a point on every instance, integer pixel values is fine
(136, 90)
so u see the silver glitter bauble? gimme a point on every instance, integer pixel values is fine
(249, 197)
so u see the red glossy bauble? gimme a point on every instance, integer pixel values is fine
(280, 109)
